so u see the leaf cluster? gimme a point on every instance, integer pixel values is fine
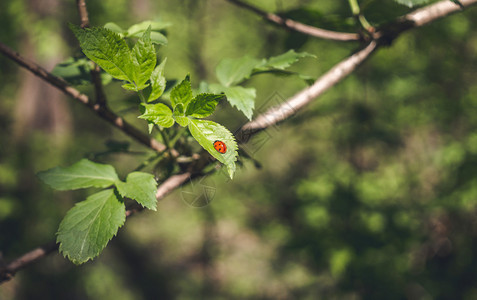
(89, 225)
(232, 72)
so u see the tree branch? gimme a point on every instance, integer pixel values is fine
(430, 13)
(277, 114)
(418, 18)
(95, 72)
(101, 111)
(299, 27)
(7, 272)
(83, 13)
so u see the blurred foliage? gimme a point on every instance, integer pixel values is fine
(369, 193)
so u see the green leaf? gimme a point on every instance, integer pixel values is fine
(179, 110)
(286, 59)
(308, 79)
(82, 174)
(233, 71)
(242, 98)
(158, 38)
(411, 3)
(278, 72)
(179, 115)
(203, 105)
(183, 121)
(158, 114)
(144, 59)
(207, 132)
(141, 27)
(107, 49)
(140, 187)
(114, 28)
(77, 71)
(158, 82)
(130, 87)
(182, 93)
(89, 225)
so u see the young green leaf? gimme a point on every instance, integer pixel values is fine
(179, 115)
(114, 28)
(107, 49)
(233, 71)
(158, 38)
(203, 105)
(131, 87)
(82, 174)
(158, 82)
(74, 70)
(158, 114)
(182, 93)
(240, 97)
(89, 225)
(141, 27)
(207, 132)
(183, 121)
(285, 60)
(140, 187)
(144, 59)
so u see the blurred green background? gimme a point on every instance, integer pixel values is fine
(368, 193)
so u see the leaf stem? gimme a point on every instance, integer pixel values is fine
(356, 10)
(141, 96)
(165, 138)
(176, 137)
(354, 7)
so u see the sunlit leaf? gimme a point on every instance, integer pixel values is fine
(107, 49)
(233, 71)
(203, 105)
(242, 98)
(182, 93)
(207, 132)
(82, 174)
(285, 60)
(140, 187)
(90, 225)
(158, 114)
(158, 82)
(144, 59)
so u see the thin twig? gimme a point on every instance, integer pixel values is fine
(300, 27)
(415, 19)
(297, 102)
(98, 86)
(438, 10)
(95, 72)
(63, 86)
(421, 17)
(7, 272)
(83, 13)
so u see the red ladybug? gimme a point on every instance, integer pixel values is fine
(220, 146)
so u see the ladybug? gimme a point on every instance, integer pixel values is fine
(220, 146)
